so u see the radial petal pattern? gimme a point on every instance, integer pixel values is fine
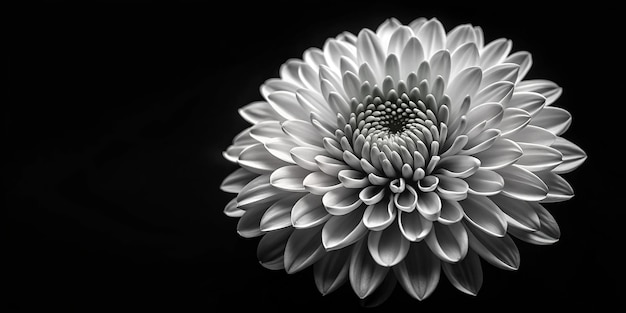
(397, 154)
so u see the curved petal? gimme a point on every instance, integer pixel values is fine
(494, 52)
(533, 134)
(286, 105)
(412, 55)
(330, 165)
(463, 57)
(460, 35)
(573, 156)
(481, 142)
(319, 183)
(257, 192)
(266, 131)
(530, 102)
(458, 166)
(406, 200)
(433, 36)
(502, 153)
(278, 215)
(271, 249)
(308, 212)
(235, 181)
(496, 92)
(490, 112)
(465, 83)
(305, 157)
(429, 205)
(558, 188)
(258, 111)
(451, 212)
(440, 65)
(555, 120)
(419, 272)
(513, 120)
(500, 72)
(280, 148)
(501, 252)
(372, 194)
(289, 178)
(521, 184)
(465, 275)
(365, 274)
(448, 242)
(303, 248)
(249, 225)
(484, 215)
(343, 230)
(388, 247)
(370, 51)
(231, 209)
(548, 232)
(546, 88)
(353, 179)
(524, 60)
(398, 40)
(452, 188)
(331, 271)
(379, 215)
(485, 183)
(538, 157)
(341, 201)
(413, 226)
(257, 159)
(303, 132)
(518, 213)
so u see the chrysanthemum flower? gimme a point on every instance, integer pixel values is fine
(407, 151)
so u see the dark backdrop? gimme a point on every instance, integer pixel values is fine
(118, 114)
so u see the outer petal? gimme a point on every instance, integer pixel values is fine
(573, 156)
(519, 214)
(365, 274)
(232, 210)
(341, 201)
(466, 275)
(413, 226)
(500, 252)
(258, 160)
(433, 36)
(558, 188)
(304, 248)
(521, 184)
(419, 272)
(289, 178)
(484, 215)
(343, 230)
(332, 271)
(539, 157)
(379, 215)
(308, 212)
(548, 233)
(504, 152)
(448, 242)
(388, 247)
(234, 182)
(271, 248)
(278, 215)
(546, 88)
(259, 111)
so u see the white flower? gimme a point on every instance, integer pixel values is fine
(405, 152)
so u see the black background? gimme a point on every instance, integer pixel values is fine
(118, 113)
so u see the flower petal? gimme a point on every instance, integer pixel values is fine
(433, 36)
(419, 272)
(460, 35)
(353, 179)
(465, 83)
(259, 111)
(398, 40)
(500, 72)
(483, 141)
(258, 160)
(286, 104)
(231, 209)
(485, 215)
(440, 65)
(429, 205)
(518, 213)
(546, 88)
(494, 52)
(463, 57)
(500, 252)
(257, 192)
(308, 212)
(523, 59)
(331, 271)
(465, 275)
(380, 215)
(547, 234)
(448, 242)
(533, 134)
(530, 102)
(573, 156)
(303, 132)
(538, 157)
(412, 55)
(521, 184)
(271, 249)
(343, 230)
(249, 224)
(266, 131)
(490, 112)
(372, 194)
(280, 148)
(485, 183)
(413, 226)
(330, 165)
(513, 120)
(496, 92)
(341, 201)
(276, 84)
(370, 51)
(388, 247)
(452, 188)
(451, 212)
(319, 183)
(406, 200)
(305, 156)
(278, 215)
(553, 119)
(234, 182)
(289, 178)
(504, 152)
(365, 274)
(458, 166)
(303, 248)
(558, 188)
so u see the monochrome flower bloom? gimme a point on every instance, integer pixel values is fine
(398, 154)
